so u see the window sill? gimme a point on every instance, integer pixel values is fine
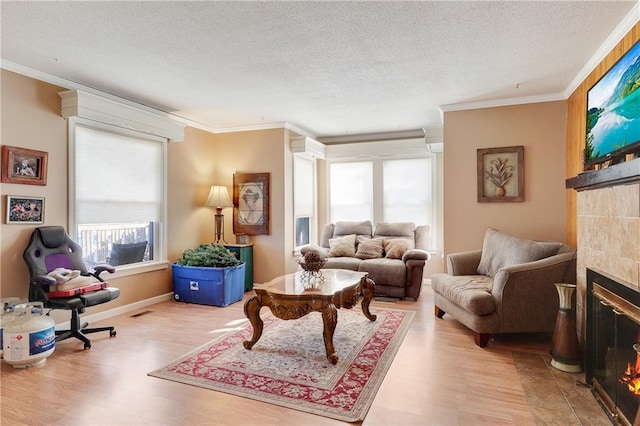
(127, 270)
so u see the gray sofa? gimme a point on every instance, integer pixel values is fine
(394, 254)
(507, 287)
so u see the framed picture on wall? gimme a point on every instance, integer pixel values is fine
(251, 203)
(501, 174)
(25, 166)
(25, 210)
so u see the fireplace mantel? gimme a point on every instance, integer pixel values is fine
(617, 174)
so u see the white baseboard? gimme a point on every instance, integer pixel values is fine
(119, 310)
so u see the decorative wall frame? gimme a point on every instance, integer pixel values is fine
(251, 203)
(501, 174)
(26, 166)
(25, 210)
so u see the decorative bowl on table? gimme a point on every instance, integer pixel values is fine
(311, 274)
(312, 266)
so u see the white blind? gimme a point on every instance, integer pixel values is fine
(351, 186)
(407, 190)
(118, 178)
(303, 188)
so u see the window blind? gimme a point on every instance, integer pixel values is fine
(118, 177)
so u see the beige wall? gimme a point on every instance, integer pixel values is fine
(205, 159)
(540, 128)
(31, 119)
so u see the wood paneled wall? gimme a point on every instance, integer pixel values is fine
(576, 124)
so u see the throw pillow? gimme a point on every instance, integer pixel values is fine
(369, 248)
(342, 246)
(500, 250)
(396, 247)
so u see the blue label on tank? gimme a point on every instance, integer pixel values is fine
(42, 341)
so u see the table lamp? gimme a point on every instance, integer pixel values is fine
(219, 198)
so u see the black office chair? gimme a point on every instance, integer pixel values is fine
(126, 253)
(50, 250)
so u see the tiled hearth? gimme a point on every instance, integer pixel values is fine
(608, 238)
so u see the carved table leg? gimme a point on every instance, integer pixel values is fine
(330, 320)
(368, 288)
(252, 311)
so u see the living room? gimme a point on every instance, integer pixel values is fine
(31, 118)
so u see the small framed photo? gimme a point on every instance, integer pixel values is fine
(26, 166)
(251, 203)
(25, 210)
(501, 174)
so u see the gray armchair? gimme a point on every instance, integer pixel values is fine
(507, 287)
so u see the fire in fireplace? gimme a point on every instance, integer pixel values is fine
(631, 376)
(613, 345)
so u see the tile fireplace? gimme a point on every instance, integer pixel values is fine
(613, 346)
(608, 285)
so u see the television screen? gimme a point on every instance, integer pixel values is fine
(613, 110)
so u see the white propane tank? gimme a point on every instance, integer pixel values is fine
(30, 338)
(6, 316)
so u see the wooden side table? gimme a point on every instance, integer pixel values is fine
(244, 252)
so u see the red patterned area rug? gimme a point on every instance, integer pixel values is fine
(288, 365)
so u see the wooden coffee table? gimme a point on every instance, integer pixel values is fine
(288, 299)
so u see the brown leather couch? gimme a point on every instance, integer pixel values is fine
(393, 254)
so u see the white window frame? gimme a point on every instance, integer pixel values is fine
(160, 229)
(377, 152)
(107, 113)
(313, 189)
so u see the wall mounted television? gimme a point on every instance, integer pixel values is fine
(613, 114)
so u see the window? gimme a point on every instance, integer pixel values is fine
(393, 190)
(117, 194)
(407, 190)
(304, 195)
(351, 191)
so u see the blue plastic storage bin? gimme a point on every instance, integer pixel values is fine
(208, 286)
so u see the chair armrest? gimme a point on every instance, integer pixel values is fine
(39, 286)
(464, 263)
(415, 254)
(527, 290)
(322, 251)
(43, 280)
(99, 269)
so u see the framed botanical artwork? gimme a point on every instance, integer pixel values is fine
(21, 165)
(251, 203)
(25, 210)
(501, 174)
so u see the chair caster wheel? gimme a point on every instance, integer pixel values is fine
(112, 333)
(87, 346)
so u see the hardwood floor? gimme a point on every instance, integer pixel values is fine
(438, 377)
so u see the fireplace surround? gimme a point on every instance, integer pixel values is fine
(612, 364)
(608, 280)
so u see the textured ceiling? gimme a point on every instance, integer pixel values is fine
(330, 68)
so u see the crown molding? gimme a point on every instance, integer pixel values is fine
(609, 44)
(250, 127)
(503, 102)
(614, 38)
(72, 85)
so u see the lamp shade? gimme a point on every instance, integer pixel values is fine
(219, 197)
